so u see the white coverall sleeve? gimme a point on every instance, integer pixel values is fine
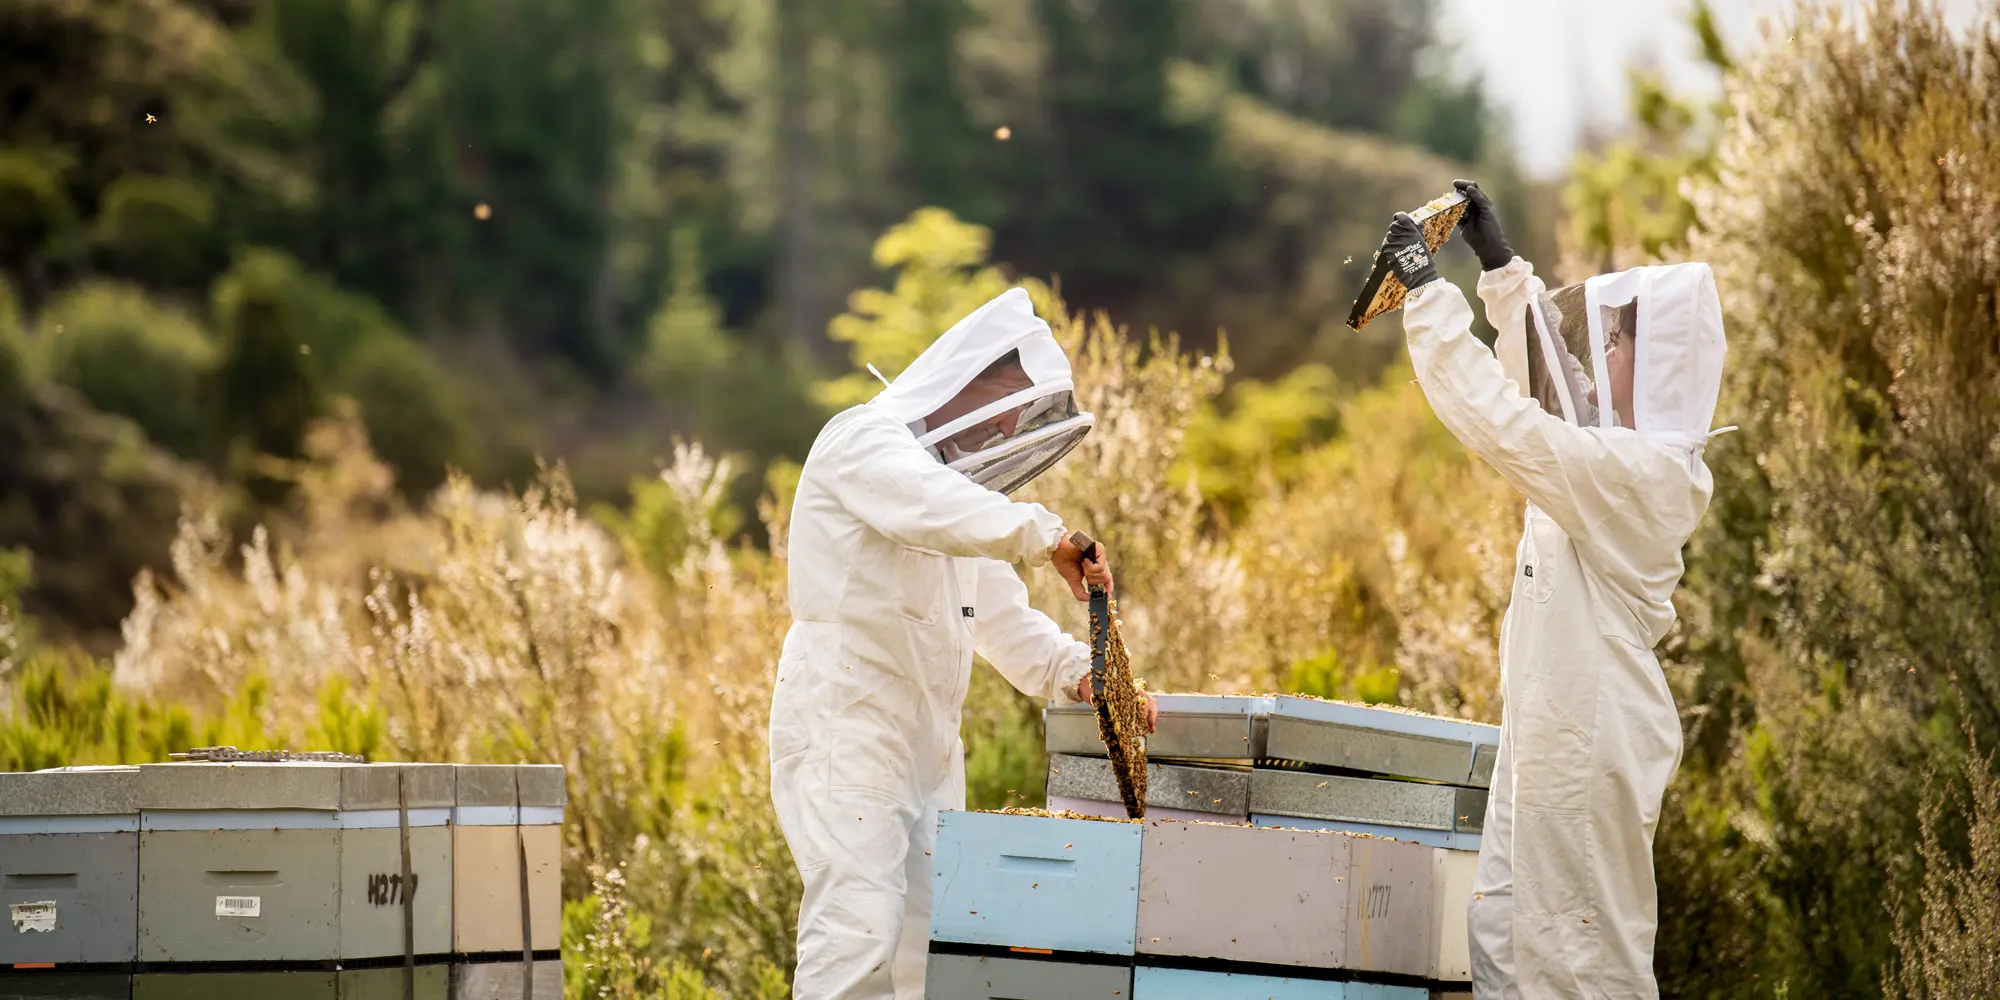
(1025, 645)
(878, 473)
(1506, 291)
(1571, 473)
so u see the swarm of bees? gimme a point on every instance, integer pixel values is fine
(1121, 713)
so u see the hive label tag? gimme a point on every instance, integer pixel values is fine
(39, 916)
(238, 906)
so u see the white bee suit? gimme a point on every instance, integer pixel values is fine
(901, 568)
(1564, 898)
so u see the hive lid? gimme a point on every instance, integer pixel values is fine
(191, 786)
(1388, 718)
(542, 785)
(373, 786)
(70, 791)
(484, 784)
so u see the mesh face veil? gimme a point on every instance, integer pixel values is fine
(1654, 333)
(1008, 441)
(1561, 374)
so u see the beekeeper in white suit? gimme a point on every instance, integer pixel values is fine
(903, 550)
(1597, 408)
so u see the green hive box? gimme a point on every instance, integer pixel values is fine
(371, 886)
(235, 986)
(260, 862)
(69, 866)
(64, 986)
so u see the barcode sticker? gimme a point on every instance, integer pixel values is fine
(238, 906)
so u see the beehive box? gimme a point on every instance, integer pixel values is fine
(1407, 834)
(983, 977)
(64, 986)
(432, 982)
(1014, 880)
(239, 863)
(1308, 733)
(1173, 791)
(507, 980)
(69, 866)
(1285, 897)
(1191, 727)
(235, 986)
(1375, 801)
(371, 856)
(1154, 983)
(1451, 880)
(290, 861)
(501, 809)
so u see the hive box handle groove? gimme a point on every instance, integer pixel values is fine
(52, 880)
(241, 878)
(1062, 867)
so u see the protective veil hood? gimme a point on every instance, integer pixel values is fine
(1668, 314)
(1046, 424)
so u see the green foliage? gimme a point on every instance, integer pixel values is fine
(1005, 763)
(686, 344)
(13, 350)
(61, 708)
(1122, 181)
(266, 388)
(157, 227)
(1327, 676)
(413, 410)
(34, 209)
(1263, 437)
(1946, 952)
(94, 502)
(17, 570)
(1627, 201)
(334, 325)
(134, 356)
(673, 513)
(941, 276)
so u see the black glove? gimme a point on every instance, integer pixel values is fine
(1408, 254)
(1481, 226)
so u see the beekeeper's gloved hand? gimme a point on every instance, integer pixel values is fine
(1076, 571)
(1408, 254)
(1481, 226)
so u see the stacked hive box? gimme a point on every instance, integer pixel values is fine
(280, 879)
(69, 877)
(1291, 765)
(1034, 907)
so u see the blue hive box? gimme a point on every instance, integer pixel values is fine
(1066, 885)
(1150, 983)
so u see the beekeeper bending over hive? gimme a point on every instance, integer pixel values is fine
(1595, 403)
(903, 550)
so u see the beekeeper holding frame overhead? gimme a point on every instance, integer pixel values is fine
(1595, 403)
(903, 550)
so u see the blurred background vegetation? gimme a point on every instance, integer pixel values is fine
(365, 361)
